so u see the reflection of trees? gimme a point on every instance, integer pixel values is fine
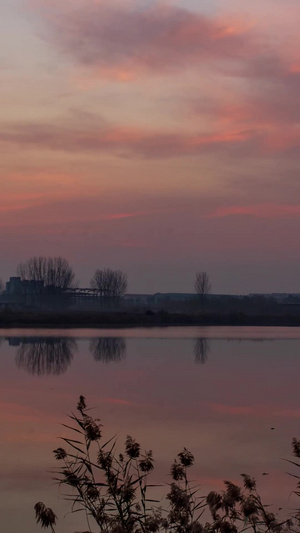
(201, 350)
(108, 349)
(45, 355)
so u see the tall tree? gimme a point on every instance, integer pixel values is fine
(53, 271)
(111, 283)
(202, 283)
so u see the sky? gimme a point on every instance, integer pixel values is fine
(159, 137)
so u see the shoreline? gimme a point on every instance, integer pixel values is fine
(61, 320)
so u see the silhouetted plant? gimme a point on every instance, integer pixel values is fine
(45, 516)
(113, 489)
(108, 349)
(45, 355)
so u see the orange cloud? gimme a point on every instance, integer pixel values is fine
(234, 26)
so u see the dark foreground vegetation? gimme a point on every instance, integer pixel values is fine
(84, 319)
(112, 490)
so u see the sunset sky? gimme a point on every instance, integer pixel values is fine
(159, 137)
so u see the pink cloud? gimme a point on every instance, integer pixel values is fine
(116, 216)
(12, 202)
(275, 102)
(121, 39)
(260, 210)
(84, 209)
(125, 141)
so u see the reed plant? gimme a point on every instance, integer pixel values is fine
(113, 489)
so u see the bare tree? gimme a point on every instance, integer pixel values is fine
(202, 283)
(111, 283)
(53, 271)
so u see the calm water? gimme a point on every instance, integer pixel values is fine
(217, 391)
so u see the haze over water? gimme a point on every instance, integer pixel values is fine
(217, 391)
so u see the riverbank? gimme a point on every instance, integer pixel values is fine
(9, 319)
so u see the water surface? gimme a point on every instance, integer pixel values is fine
(217, 391)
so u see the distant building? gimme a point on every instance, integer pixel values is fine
(278, 296)
(16, 286)
(137, 299)
(161, 297)
(22, 294)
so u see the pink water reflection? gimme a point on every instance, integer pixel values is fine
(222, 410)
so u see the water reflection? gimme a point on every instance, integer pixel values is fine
(53, 355)
(44, 355)
(107, 349)
(139, 395)
(201, 350)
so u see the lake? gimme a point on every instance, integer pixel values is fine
(229, 394)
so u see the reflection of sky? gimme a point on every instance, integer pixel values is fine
(223, 411)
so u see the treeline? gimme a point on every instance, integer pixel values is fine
(228, 304)
(56, 272)
(57, 275)
(117, 319)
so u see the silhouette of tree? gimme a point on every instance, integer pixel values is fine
(201, 350)
(45, 355)
(202, 283)
(107, 349)
(1, 286)
(53, 271)
(111, 283)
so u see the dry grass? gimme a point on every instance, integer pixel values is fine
(113, 490)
